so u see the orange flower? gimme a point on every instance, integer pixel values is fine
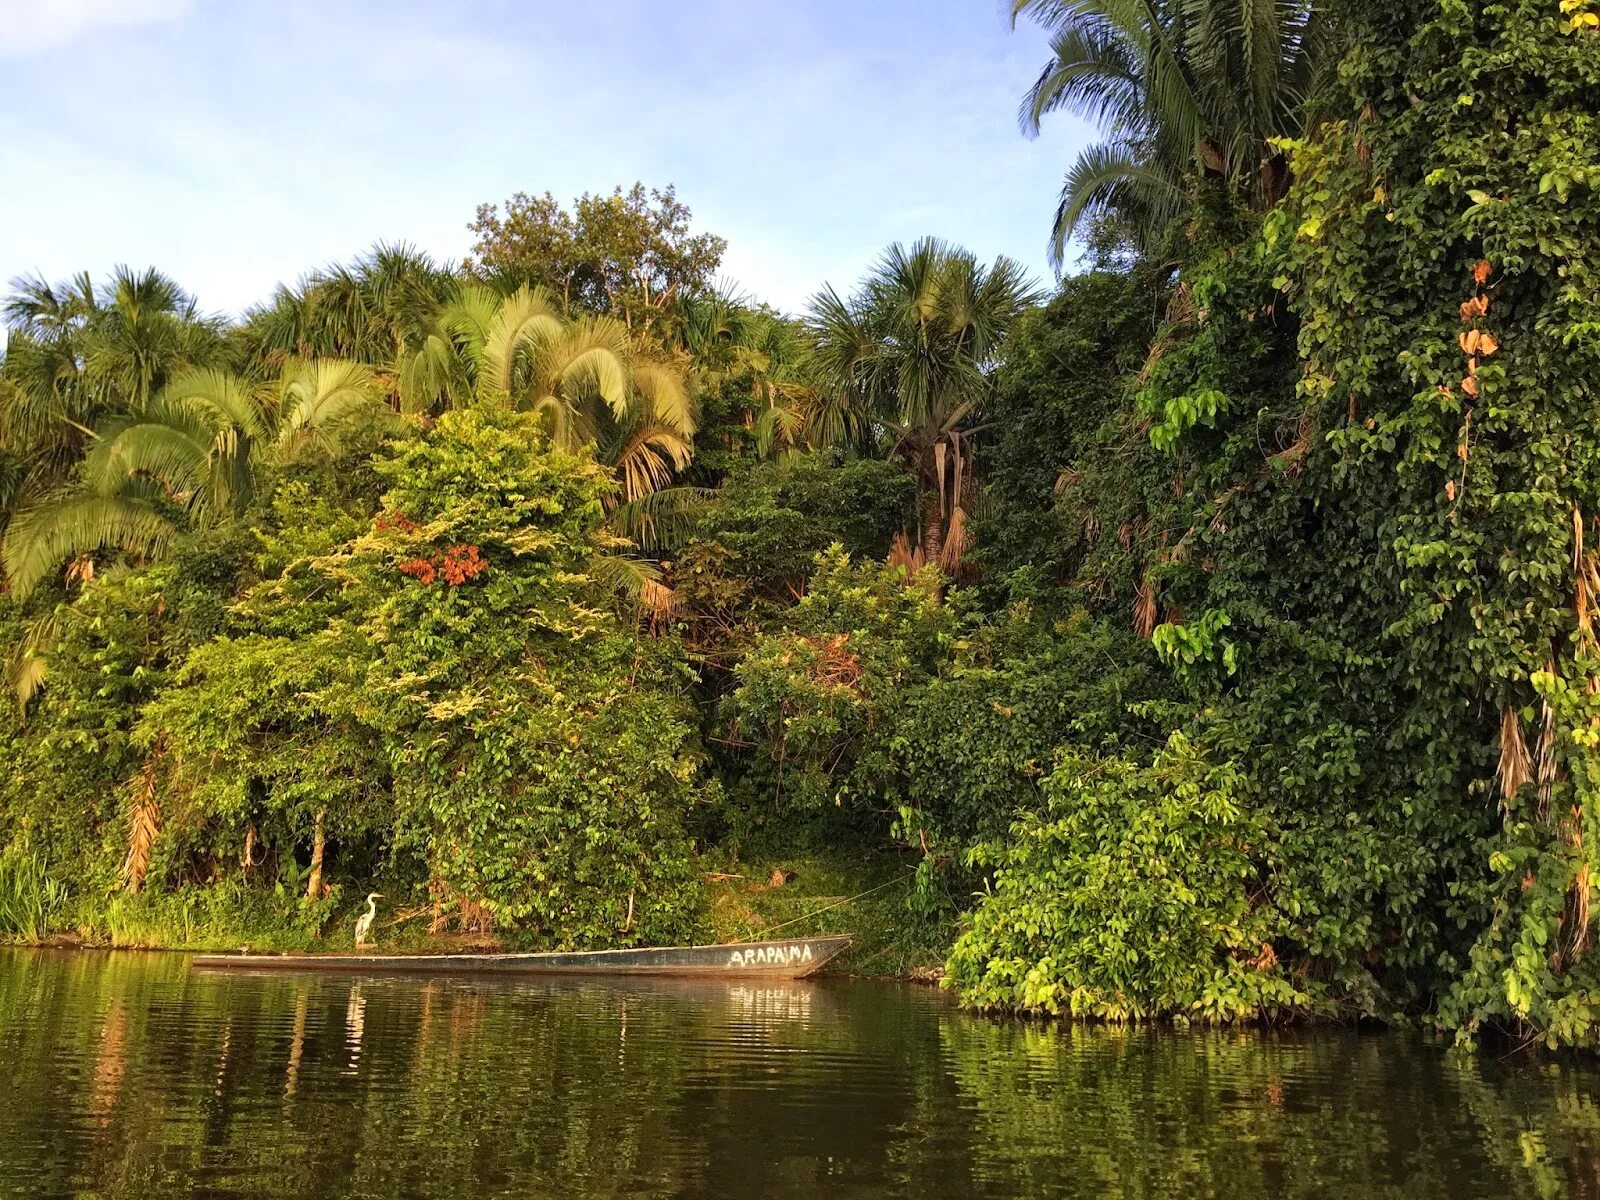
(419, 569)
(462, 563)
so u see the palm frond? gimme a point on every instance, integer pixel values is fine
(1108, 179)
(65, 526)
(662, 520)
(316, 399)
(637, 583)
(1180, 88)
(647, 457)
(523, 323)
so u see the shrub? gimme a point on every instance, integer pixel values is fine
(1135, 892)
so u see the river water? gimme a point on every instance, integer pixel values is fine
(126, 1075)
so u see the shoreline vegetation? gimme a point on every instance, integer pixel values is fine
(1208, 637)
(748, 903)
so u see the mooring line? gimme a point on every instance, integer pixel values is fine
(839, 903)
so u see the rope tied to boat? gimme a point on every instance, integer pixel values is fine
(839, 903)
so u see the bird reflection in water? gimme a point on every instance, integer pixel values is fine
(355, 1025)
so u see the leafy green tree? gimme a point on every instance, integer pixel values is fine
(811, 687)
(1129, 896)
(515, 739)
(629, 255)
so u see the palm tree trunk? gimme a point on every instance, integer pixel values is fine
(932, 526)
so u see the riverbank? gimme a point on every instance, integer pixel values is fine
(746, 900)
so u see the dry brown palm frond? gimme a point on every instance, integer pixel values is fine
(1577, 539)
(1516, 766)
(1577, 916)
(1545, 768)
(657, 602)
(144, 825)
(1144, 607)
(1583, 607)
(957, 541)
(904, 555)
(1067, 479)
(1181, 313)
(1585, 583)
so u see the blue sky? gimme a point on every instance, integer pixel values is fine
(237, 143)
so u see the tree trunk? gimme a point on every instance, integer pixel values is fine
(932, 526)
(318, 843)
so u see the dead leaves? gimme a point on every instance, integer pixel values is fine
(1477, 345)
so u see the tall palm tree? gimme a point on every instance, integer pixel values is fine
(1184, 90)
(188, 458)
(905, 361)
(584, 378)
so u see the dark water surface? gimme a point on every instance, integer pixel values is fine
(125, 1075)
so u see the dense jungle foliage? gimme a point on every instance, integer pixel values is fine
(1213, 638)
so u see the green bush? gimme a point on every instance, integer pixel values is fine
(817, 688)
(1134, 892)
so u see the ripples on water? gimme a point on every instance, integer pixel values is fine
(125, 1075)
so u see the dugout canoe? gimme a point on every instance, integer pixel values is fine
(788, 959)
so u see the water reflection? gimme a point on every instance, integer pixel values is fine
(127, 1076)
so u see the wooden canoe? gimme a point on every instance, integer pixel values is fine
(790, 959)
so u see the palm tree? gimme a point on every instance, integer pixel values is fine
(584, 377)
(77, 356)
(906, 361)
(735, 348)
(370, 311)
(189, 458)
(1184, 90)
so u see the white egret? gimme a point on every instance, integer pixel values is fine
(364, 921)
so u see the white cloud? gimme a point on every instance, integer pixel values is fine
(31, 26)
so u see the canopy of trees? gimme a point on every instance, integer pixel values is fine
(1213, 638)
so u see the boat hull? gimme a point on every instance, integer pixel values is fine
(789, 959)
